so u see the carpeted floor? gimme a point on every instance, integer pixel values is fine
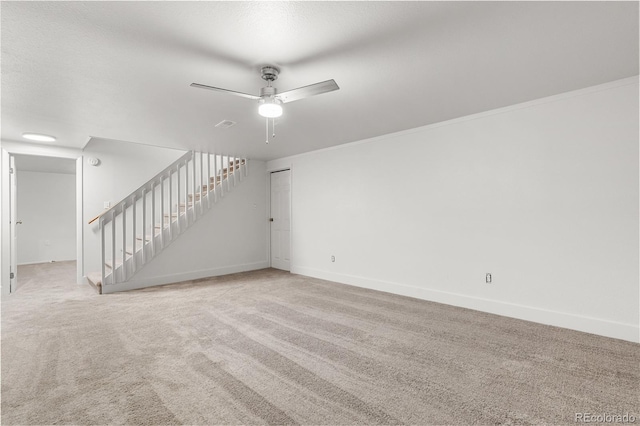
(268, 347)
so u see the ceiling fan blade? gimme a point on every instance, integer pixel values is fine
(231, 92)
(307, 91)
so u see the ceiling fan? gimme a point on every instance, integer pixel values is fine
(270, 101)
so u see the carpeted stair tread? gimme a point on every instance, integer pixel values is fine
(147, 240)
(118, 262)
(95, 280)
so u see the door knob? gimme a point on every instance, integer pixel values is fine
(19, 222)
(270, 219)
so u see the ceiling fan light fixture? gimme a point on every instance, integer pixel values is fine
(270, 107)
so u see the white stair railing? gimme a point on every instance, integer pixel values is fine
(145, 222)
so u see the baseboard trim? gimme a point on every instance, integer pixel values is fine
(37, 262)
(181, 277)
(616, 330)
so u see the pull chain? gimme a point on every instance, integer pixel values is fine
(273, 126)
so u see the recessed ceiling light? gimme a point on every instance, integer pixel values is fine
(38, 137)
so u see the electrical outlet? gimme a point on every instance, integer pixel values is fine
(333, 258)
(488, 278)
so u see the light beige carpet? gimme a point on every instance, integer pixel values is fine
(268, 347)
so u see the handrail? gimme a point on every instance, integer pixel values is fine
(186, 157)
(190, 191)
(97, 217)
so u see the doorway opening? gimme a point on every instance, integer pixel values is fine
(43, 209)
(280, 220)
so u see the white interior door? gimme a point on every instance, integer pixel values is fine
(281, 220)
(13, 228)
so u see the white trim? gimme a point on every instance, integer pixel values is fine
(291, 251)
(268, 209)
(134, 284)
(79, 220)
(592, 325)
(269, 173)
(267, 184)
(39, 262)
(5, 254)
(41, 150)
(541, 101)
(13, 148)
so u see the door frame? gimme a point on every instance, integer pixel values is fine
(5, 247)
(12, 148)
(13, 224)
(268, 188)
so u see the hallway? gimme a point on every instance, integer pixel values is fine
(45, 280)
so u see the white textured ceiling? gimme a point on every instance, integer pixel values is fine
(121, 70)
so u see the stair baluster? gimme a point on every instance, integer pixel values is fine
(185, 194)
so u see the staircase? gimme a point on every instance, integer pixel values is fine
(145, 222)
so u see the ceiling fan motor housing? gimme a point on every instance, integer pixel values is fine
(268, 91)
(269, 73)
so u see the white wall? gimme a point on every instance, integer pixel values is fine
(543, 195)
(46, 206)
(123, 167)
(229, 238)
